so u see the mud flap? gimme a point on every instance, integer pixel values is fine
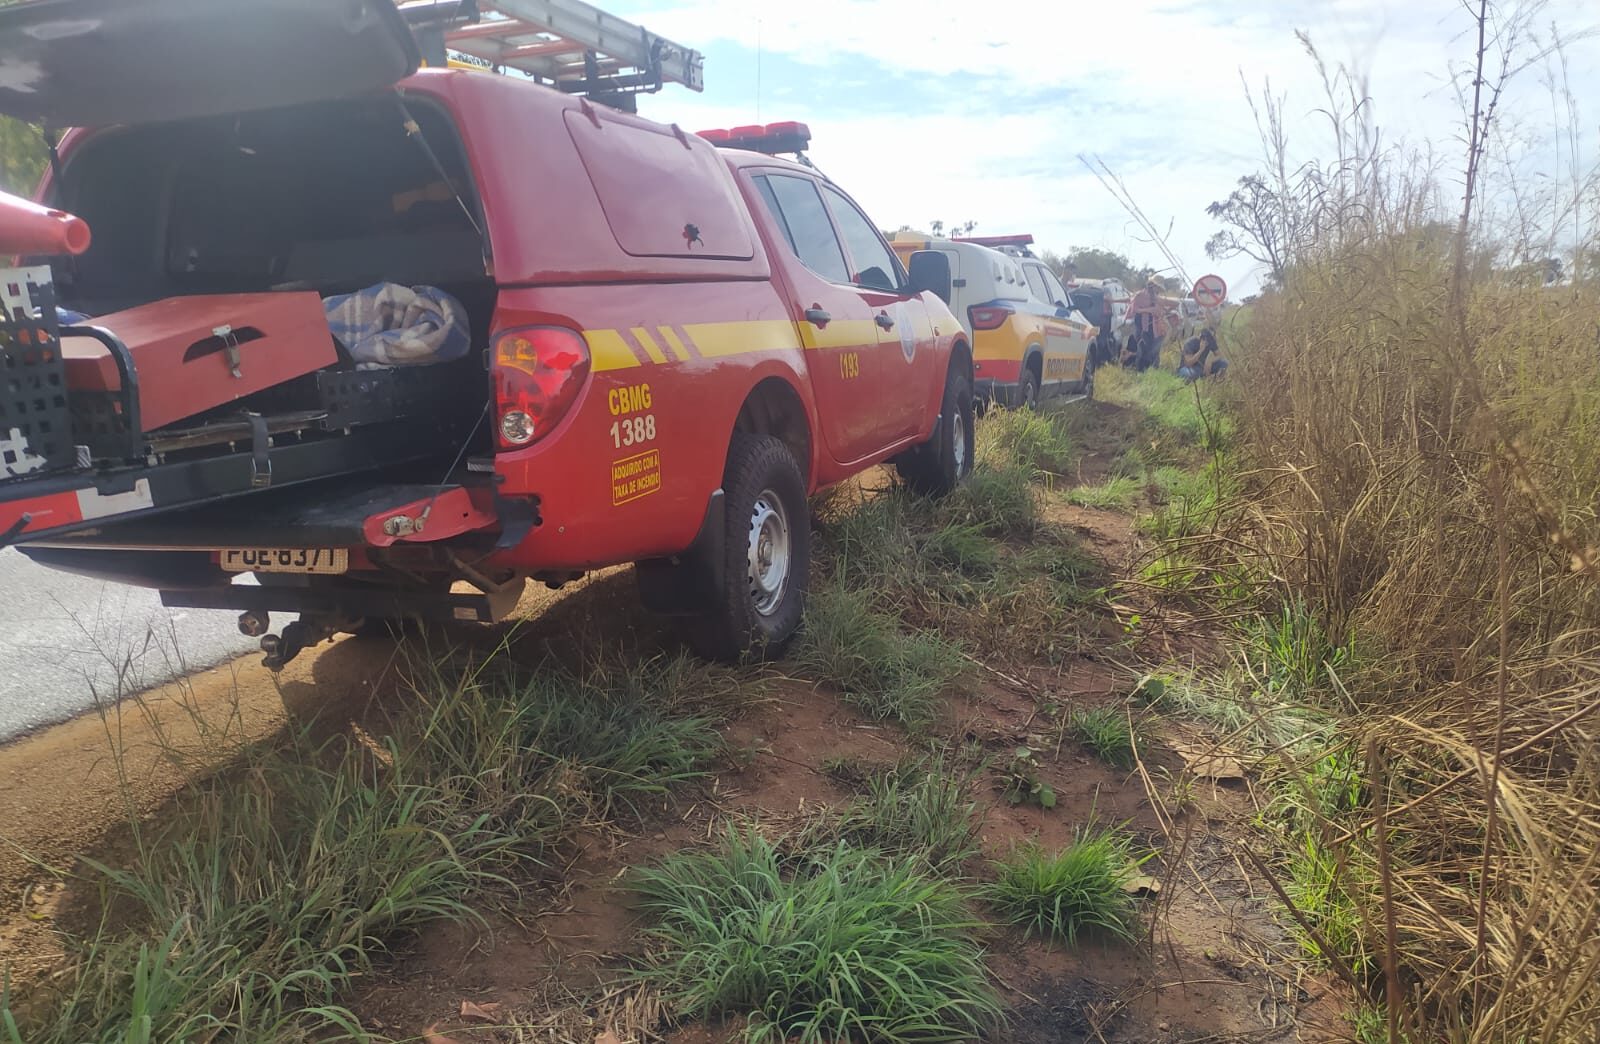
(688, 583)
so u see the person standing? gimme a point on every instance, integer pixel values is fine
(1144, 313)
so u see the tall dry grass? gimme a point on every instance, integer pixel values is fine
(1421, 426)
(1406, 483)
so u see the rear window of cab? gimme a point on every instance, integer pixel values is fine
(664, 193)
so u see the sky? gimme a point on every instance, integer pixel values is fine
(960, 110)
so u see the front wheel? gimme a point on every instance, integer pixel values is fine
(767, 555)
(940, 465)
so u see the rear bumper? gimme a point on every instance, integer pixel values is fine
(1004, 393)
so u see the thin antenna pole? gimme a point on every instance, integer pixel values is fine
(758, 69)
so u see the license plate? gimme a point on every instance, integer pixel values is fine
(286, 560)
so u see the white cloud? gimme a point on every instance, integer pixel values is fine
(1153, 86)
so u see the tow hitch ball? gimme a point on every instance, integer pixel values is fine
(298, 636)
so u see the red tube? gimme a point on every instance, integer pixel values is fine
(28, 228)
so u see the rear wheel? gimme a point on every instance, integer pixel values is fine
(1028, 391)
(940, 465)
(767, 555)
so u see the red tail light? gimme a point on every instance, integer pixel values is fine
(989, 317)
(538, 372)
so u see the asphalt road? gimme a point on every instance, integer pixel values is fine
(66, 641)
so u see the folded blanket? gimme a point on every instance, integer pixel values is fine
(392, 325)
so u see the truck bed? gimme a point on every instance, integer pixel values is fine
(231, 419)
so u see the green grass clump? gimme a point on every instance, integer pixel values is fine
(255, 905)
(1294, 653)
(1322, 891)
(1116, 493)
(1033, 440)
(1078, 890)
(999, 501)
(1184, 418)
(867, 538)
(1172, 571)
(1071, 576)
(890, 674)
(1109, 732)
(849, 944)
(1188, 501)
(920, 810)
(962, 548)
(259, 905)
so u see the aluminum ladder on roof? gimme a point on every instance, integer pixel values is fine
(567, 44)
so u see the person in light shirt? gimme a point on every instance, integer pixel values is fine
(1149, 328)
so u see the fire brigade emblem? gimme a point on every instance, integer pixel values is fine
(908, 333)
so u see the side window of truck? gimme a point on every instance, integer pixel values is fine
(877, 269)
(1058, 293)
(1041, 293)
(798, 210)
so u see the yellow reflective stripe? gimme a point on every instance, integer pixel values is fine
(840, 333)
(649, 345)
(671, 337)
(1005, 342)
(608, 351)
(756, 335)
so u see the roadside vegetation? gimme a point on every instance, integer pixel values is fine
(1402, 532)
(250, 909)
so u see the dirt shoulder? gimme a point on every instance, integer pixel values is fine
(546, 961)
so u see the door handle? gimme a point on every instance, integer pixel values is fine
(883, 320)
(818, 316)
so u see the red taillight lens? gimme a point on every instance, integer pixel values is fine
(989, 317)
(538, 372)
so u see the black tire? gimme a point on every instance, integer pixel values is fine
(1089, 367)
(941, 465)
(767, 555)
(1028, 389)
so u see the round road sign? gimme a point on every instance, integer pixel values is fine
(1210, 291)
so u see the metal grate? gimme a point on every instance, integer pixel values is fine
(35, 423)
(356, 397)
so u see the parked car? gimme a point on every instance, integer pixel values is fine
(671, 345)
(1026, 346)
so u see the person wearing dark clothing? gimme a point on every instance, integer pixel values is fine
(1199, 357)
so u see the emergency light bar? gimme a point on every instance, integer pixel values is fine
(1016, 245)
(772, 139)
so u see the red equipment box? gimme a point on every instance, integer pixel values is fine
(193, 354)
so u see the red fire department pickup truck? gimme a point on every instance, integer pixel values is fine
(674, 344)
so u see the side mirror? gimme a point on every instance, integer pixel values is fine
(930, 271)
(1062, 311)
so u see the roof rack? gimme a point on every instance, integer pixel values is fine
(566, 44)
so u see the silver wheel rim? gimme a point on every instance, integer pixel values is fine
(958, 429)
(768, 553)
